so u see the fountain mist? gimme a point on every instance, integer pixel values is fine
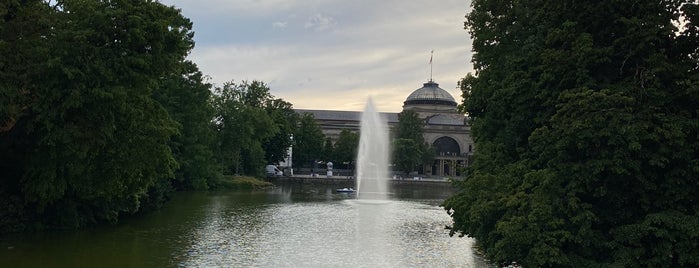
(372, 156)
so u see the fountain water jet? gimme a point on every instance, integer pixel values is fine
(372, 155)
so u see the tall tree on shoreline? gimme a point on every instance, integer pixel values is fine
(82, 139)
(187, 98)
(243, 126)
(308, 142)
(285, 119)
(328, 150)
(409, 146)
(23, 49)
(585, 119)
(346, 149)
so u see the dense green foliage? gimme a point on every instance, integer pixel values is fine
(102, 116)
(406, 155)
(187, 98)
(83, 140)
(346, 149)
(585, 120)
(241, 182)
(248, 118)
(308, 142)
(409, 146)
(328, 150)
(285, 119)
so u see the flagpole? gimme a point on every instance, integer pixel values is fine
(431, 54)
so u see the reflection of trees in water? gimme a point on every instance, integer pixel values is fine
(229, 230)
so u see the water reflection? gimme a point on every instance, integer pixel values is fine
(290, 226)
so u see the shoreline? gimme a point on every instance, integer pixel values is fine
(322, 179)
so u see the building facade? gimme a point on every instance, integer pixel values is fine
(445, 129)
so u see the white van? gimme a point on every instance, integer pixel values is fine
(273, 171)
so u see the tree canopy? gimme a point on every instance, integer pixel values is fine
(244, 125)
(328, 152)
(308, 141)
(585, 120)
(285, 119)
(102, 116)
(409, 146)
(82, 138)
(187, 98)
(346, 148)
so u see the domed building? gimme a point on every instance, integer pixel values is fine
(432, 95)
(445, 129)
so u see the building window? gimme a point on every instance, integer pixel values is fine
(446, 146)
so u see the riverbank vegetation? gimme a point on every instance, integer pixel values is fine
(102, 116)
(241, 183)
(587, 133)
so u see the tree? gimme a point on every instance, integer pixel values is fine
(328, 150)
(406, 154)
(428, 154)
(22, 53)
(23, 48)
(285, 119)
(187, 98)
(308, 141)
(346, 148)
(410, 126)
(586, 133)
(409, 146)
(243, 126)
(83, 138)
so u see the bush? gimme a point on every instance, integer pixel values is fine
(240, 182)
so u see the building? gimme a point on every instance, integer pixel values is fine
(445, 128)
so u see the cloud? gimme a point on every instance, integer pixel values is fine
(334, 54)
(339, 78)
(320, 22)
(279, 24)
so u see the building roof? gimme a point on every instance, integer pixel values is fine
(430, 93)
(331, 115)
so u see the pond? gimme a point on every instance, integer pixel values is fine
(292, 225)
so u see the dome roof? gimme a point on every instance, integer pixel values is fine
(430, 93)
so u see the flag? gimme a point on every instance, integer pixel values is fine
(431, 52)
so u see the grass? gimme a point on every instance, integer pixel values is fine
(241, 182)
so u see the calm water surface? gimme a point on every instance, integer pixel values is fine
(294, 225)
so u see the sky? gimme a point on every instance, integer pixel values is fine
(332, 54)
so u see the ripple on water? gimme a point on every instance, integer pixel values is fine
(348, 233)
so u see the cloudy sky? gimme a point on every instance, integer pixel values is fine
(332, 54)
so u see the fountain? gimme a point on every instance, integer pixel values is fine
(372, 155)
